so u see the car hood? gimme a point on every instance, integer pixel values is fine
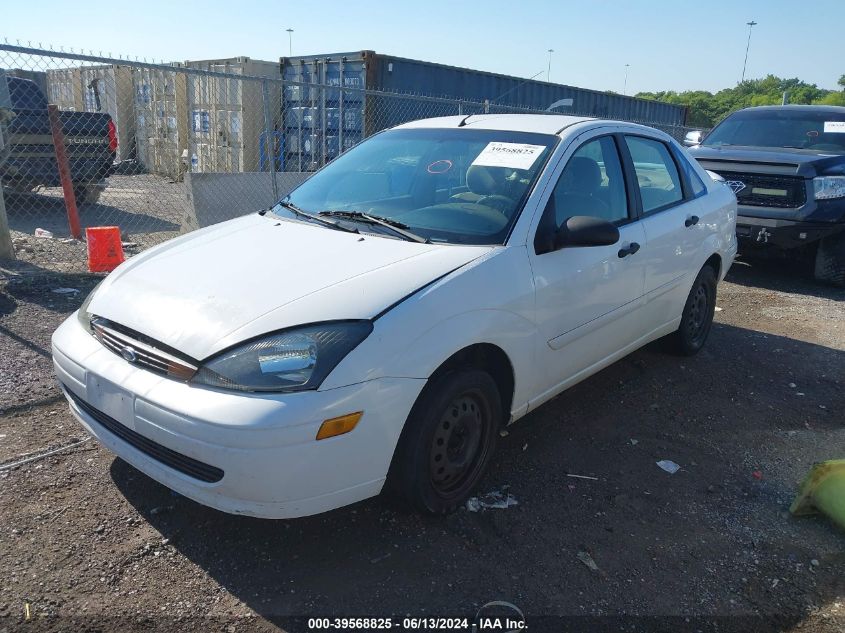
(213, 288)
(783, 161)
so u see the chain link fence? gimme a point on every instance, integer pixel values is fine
(161, 149)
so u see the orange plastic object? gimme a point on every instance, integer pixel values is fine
(105, 252)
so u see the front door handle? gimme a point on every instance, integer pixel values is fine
(632, 248)
(691, 220)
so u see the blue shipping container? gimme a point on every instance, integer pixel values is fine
(319, 124)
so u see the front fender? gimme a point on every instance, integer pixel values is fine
(512, 333)
(414, 338)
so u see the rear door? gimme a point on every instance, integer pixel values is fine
(671, 219)
(586, 297)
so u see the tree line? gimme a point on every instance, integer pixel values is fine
(707, 109)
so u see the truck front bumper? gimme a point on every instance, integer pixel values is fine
(786, 234)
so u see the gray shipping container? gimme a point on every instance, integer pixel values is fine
(319, 124)
(226, 115)
(161, 119)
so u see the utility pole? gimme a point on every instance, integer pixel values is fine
(751, 25)
(625, 85)
(290, 42)
(549, 72)
(7, 250)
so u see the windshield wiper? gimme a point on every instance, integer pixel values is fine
(395, 226)
(316, 218)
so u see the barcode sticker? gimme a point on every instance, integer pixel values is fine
(513, 155)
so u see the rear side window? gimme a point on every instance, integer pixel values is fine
(696, 185)
(657, 175)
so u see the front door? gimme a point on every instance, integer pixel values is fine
(586, 297)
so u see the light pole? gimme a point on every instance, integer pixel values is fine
(290, 42)
(750, 26)
(549, 71)
(625, 85)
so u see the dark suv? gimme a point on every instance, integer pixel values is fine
(786, 165)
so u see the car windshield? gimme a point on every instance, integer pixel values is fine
(822, 131)
(458, 186)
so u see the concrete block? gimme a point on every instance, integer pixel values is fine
(216, 197)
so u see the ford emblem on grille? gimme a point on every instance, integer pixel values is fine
(129, 354)
(735, 185)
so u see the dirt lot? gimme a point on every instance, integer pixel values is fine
(147, 208)
(85, 536)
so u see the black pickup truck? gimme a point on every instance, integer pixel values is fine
(786, 165)
(90, 142)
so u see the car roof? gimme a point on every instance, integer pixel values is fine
(797, 108)
(540, 123)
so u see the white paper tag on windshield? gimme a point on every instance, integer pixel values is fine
(513, 155)
(835, 127)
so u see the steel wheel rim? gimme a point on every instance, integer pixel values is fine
(457, 446)
(699, 309)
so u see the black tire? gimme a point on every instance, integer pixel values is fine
(447, 442)
(697, 317)
(86, 194)
(830, 260)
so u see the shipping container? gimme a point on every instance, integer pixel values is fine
(318, 124)
(226, 115)
(64, 88)
(161, 112)
(102, 88)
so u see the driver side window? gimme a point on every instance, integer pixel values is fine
(591, 184)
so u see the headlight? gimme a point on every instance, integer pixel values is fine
(827, 187)
(293, 360)
(82, 314)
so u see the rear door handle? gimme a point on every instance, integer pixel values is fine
(691, 220)
(632, 248)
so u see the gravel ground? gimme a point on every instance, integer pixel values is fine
(86, 537)
(147, 208)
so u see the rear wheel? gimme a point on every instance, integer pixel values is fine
(697, 317)
(830, 260)
(86, 194)
(447, 442)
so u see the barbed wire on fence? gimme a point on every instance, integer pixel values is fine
(153, 148)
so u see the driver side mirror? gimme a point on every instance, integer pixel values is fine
(585, 230)
(693, 138)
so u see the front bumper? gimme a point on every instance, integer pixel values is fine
(264, 444)
(785, 234)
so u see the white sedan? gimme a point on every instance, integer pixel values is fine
(378, 327)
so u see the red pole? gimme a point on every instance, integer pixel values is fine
(64, 170)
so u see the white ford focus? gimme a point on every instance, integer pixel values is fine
(380, 325)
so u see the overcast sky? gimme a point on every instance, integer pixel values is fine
(670, 45)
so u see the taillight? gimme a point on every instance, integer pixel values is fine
(112, 136)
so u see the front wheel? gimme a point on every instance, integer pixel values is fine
(447, 442)
(697, 317)
(830, 260)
